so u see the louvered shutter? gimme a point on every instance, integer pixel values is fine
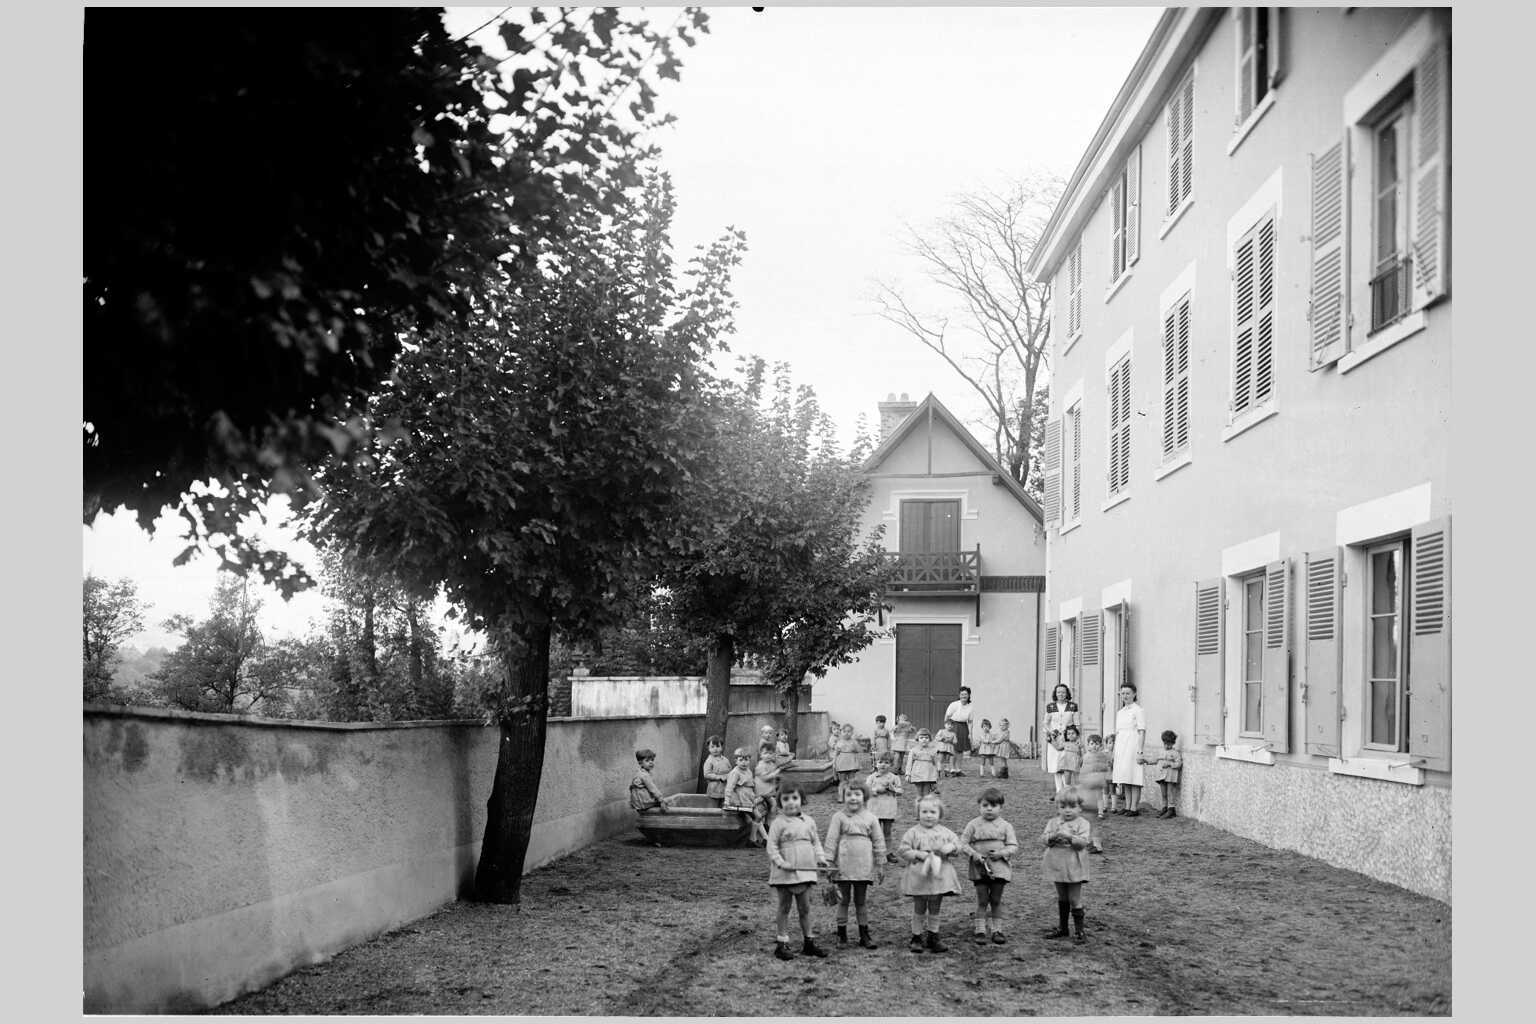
(1075, 502)
(1174, 121)
(1275, 709)
(1328, 305)
(1133, 208)
(1242, 355)
(1050, 671)
(1429, 646)
(1075, 290)
(1051, 472)
(1264, 316)
(1207, 691)
(1090, 689)
(1431, 97)
(1182, 436)
(1320, 695)
(1124, 430)
(1187, 177)
(1125, 647)
(1170, 381)
(1117, 227)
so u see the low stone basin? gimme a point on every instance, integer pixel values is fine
(694, 819)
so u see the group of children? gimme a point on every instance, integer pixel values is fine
(1090, 769)
(934, 752)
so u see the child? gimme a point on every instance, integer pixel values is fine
(644, 795)
(1111, 790)
(845, 761)
(1169, 762)
(945, 741)
(901, 742)
(857, 848)
(884, 787)
(741, 795)
(880, 739)
(766, 783)
(989, 842)
(794, 851)
(1005, 749)
(929, 876)
(716, 768)
(1069, 760)
(1095, 779)
(766, 742)
(1066, 841)
(781, 746)
(922, 765)
(986, 746)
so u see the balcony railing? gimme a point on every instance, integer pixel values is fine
(937, 573)
(1390, 290)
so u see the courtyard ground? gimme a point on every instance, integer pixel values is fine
(1182, 919)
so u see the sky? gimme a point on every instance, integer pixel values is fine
(820, 133)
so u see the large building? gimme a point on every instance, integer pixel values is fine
(1247, 489)
(966, 599)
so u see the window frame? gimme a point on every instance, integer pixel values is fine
(1401, 611)
(1072, 482)
(1181, 149)
(1181, 315)
(1255, 407)
(1251, 632)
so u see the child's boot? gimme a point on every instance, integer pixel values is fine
(865, 940)
(1062, 909)
(809, 947)
(1077, 925)
(981, 930)
(916, 945)
(933, 943)
(781, 950)
(842, 935)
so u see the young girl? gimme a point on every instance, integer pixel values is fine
(1066, 862)
(945, 741)
(989, 842)
(923, 765)
(1166, 773)
(1112, 792)
(986, 746)
(1095, 786)
(766, 782)
(880, 739)
(1069, 755)
(901, 742)
(716, 768)
(1005, 749)
(766, 743)
(929, 877)
(794, 852)
(884, 788)
(781, 746)
(845, 761)
(857, 848)
(741, 795)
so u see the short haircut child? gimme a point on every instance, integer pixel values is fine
(795, 788)
(934, 799)
(1069, 797)
(1169, 736)
(861, 787)
(992, 795)
(880, 719)
(646, 754)
(714, 741)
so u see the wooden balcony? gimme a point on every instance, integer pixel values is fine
(936, 574)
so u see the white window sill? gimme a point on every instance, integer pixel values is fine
(1392, 768)
(1069, 527)
(1256, 753)
(1174, 218)
(1071, 341)
(1248, 420)
(1384, 339)
(1176, 462)
(1125, 275)
(1114, 500)
(1253, 118)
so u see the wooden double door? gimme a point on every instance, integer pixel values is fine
(927, 671)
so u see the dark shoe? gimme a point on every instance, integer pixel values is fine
(1133, 814)
(809, 948)
(999, 938)
(1077, 925)
(865, 940)
(1059, 933)
(842, 935)
(1095, 849)
(1172, 813)
(781, 950)
(980, 938)
(916, 945)
(934, 945)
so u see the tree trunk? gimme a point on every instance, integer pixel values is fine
(791, 703)
(717, 688)
(415, 645)
(519, 767)
(370, 646)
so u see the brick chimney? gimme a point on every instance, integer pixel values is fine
(893, 411)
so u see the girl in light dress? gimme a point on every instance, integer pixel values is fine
(880, 739)
(884, 792)
(741, 795)
(923, 765)
(1067, 838)
(1166, 773)
(986, 747)
(929, 876)
(781, 746)
(845, 761)
(716, 768)
(794, 854)
(944, 739)
(857, 849)
(901, 742)
(1069, 755)
(989, 842)
(1005, 749)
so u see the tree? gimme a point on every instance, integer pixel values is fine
(218, 667)
(112, 613)
(540, 452)
(305, 188)
(776, 513)
(977, 255)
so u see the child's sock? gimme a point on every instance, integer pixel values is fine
(917, 922)
(981, 922)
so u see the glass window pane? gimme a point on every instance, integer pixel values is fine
(1384, 713)
(1253, 596)
(1386, 156)
(1385, 569)
(1251, 694)
(1253, 644)
(1384, 643)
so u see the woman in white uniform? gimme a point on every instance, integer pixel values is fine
(1130, 737)
(1059, 713)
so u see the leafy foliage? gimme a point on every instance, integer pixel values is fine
(112, 612)
(223, 665)
(296, 192)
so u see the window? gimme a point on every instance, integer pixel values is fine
(1253, 653)
(1258, 57)
(1180, 119)
(1119, 475)
(1125, 217)
(1386, 671)
(1074, 427)
(1176, 379)
(1253, 322)
(1075, 291)
(930, 527)
(1390, 281)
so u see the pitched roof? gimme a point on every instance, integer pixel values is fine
(932, 406)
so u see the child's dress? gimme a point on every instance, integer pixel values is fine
(883, 791)
(880, 741)
(901, 738)
(794, 850)
(1069, 758)
(847, 757)
(781, 748)
(716, 768)
(766, 778)
(987, 745)
(923, 763)
(945, 741)
(985, 837)
(915, 880)
(1169, 762)
(855, 844)
(740, 790)
(1066, 863)
(1094, 777)
(1005, 747)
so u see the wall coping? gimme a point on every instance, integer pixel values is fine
(212, 718)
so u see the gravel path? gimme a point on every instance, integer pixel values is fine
(1182, 919)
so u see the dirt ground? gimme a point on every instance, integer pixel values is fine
(1182, 919)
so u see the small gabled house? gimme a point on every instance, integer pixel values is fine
(965, 602)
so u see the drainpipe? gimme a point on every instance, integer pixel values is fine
(1034, 711)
